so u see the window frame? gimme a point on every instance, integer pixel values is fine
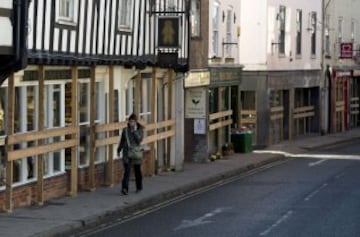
(216, 28)
(282, 29)
(195, 16)
(72, 18)
(127, 25)
(327, 42)
(229, 22)
(313, 22)
(299, 25)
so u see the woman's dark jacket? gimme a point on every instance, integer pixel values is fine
(135, 139)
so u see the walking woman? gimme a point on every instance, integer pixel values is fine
(131, 138)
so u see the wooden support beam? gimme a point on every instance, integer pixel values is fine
(153, 167)
(169, 115)
(220, 131)
(74, 122)
(10, 131)
(40, 157)
(91, 181)
(110, 173)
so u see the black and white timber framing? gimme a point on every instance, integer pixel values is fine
(95, 37)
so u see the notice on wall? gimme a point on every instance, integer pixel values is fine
(195, 102)
(199, 126)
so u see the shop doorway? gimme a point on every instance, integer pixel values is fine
(354, 102)
(279, 110)
(248, 113)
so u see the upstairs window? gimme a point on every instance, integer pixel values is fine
(313, 34)
(216, 23)
(228, 33)
(125, 16)
(298, 31)
(340, 28)
(66, 13)
(327, 36)
(353, 30)
(195, 18)
(282, 19)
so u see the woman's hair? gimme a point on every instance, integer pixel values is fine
(133, 117)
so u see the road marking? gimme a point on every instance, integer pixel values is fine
(311, 195)
(311, 164)
(339, 175)
(307, 155)
(201, 220)
(277, 223)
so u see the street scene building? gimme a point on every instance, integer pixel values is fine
(196, 72)
(89, 64)
(341, 65)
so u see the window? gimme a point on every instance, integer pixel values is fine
(340, 28)
(195, 18)
(54, 117)
(216, 20)
(327, 35)
(282, 18)
(171, 5)
(144, 100)
(228, 33)
(298, 31)
(353, 28)
(125, 16)
(66, 13)
(313, 34)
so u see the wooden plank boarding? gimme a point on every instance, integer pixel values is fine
(110, 126)
(37, 135)
(220, 114)
(41, 149)
(220, 124)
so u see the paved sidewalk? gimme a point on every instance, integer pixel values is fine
(63, 215)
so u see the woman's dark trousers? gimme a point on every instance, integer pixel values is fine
(126, 177)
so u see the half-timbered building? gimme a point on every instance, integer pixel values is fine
(91, 63)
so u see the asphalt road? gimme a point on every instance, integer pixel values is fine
(302, 197)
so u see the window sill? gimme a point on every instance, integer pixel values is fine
(124, 29)
(65, 21)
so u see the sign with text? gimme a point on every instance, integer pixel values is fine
(195, 102)
(346, 50)
(197, 79)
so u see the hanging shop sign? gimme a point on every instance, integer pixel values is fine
(195, 79)
(195, 102)
(168, 32)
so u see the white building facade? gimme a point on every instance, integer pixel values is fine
(280, 49)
